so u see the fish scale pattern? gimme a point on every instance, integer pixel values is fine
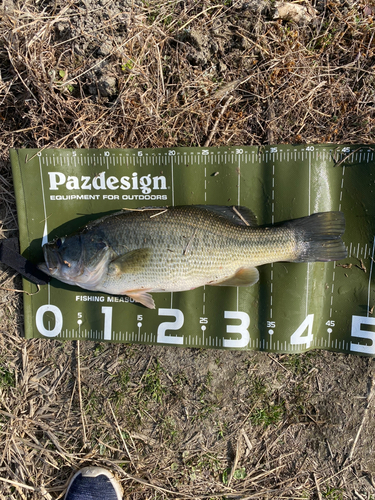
(181, 248)
(189, 247)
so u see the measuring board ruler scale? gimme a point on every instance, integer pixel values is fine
(293, 307)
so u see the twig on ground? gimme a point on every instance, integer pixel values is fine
(17, 483)
(365, 414)
(213, 130)
(236, 457)
(317, 487)
(80, 394)
(121, 436)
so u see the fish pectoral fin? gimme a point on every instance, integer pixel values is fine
(132, 261)
(246, 276)
(142, 297)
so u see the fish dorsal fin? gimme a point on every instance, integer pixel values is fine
(130, 262)
(243, 277)
(142, 297)
(242, 216)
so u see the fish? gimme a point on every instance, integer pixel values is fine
(137, 252)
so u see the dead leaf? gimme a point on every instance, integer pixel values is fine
(345, 266)
(362, 267)
(369, 10)
(300, 14)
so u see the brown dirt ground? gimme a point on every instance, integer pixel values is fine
(181, 423)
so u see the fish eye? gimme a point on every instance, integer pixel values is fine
(59, 242)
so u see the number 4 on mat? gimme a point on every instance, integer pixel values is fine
(299, 337)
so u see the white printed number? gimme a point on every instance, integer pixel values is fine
(359, 331)
(170, 325)
(241, 329)
(57, 319)
(107, 311)
(298, 337)
(54, 316)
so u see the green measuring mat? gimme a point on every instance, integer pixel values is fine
(294, 306)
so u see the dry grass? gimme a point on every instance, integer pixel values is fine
(189, 423)
(287, 83)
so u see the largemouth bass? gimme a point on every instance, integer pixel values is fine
(136, 252)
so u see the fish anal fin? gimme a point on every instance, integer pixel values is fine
(242, 216)
(246, 276)
(132, 261)
(142, 297)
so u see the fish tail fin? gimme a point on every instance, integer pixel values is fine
(319, 237)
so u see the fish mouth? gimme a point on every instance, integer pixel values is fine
(42, 267)
(53, 261)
